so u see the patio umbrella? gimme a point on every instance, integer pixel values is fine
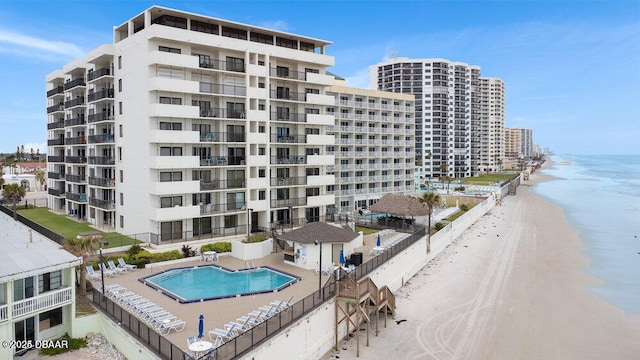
(342, 257)
(378, 243)
(201, 327)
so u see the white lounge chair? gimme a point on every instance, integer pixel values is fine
(272, 310)
(113, 267)
(92, 273)
(260, 315)
(106, 271)
(237, 326)
(177, 325)
(249, 320)
(228, 333)
(157, 321)
(281, 305)
(125, 265)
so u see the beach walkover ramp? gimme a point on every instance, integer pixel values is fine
(361, 301)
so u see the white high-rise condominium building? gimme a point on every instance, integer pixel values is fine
(492, 102)
(190, 126)
(518, 143)
(449, 114)
(375, 145)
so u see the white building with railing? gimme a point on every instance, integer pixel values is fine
(37, 292)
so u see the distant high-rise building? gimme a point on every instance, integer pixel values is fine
(452, 125)
(191, 126)
(518, 143)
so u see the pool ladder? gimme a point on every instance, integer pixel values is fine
(249, 264)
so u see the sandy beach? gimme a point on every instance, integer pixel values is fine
(513, 286)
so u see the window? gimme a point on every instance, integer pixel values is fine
(169, 49)
(170, 100)
(234, 33)
(121, 199)
(120, 107)
(170, 230)
(313, 191)
(121, 221)
(168, 176)
(230, 221)
(170, 201)
(204, 27)
(170, 125)
(313, 171)
(120, 129)
(50, 318)
(119, 153)
(262, 195)
(261, 38)
(119, 85)
(119, 62)
(49, 281)
(170, 151)
(235, 64)
(261, 173)
(261, 151)
(288, 43)
(121, 176)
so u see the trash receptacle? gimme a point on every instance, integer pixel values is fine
(356, 258)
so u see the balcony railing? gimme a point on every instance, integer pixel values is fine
(76, 197)
(76, 159)
(73, 83)
(289, 202)
(222, 113)
(288, 95)
(55, 91)
(223, 65)
(221, 137)
(288, 181)
(106, 93)
(289, 159)
(55, 159)
(102, 138)
(207, 209)
(55, 125)
(98, 73)
(103, 204)
(75, 178)
(55, 175)
(223, 89)
(78, 120)
(102, 116)
(222, 184)
(293, 117)
(4, 313)
(75, 140)
(53, 142)
(288, 138)
(48, 300)
(104, 182)
(54, 108)
(285, 73)
(74, 102)
(101, 160)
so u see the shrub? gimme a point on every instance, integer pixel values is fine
(167, 256)
(206, 247)
(459, 188)
(219, 247)
(73, 344)
(464, 207)
(133, 251)
(187, 251)
(439, 226)
(140, 263)
(255, 238)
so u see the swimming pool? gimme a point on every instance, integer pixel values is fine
(211, 282)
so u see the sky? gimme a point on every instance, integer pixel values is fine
(571, 68)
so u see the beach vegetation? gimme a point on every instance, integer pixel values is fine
(71, 344)
(255, 238)
(13, 193)
(366, 230)
(187, 251)
(464, 207)
(439, 225)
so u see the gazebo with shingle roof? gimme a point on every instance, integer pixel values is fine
(332, 238)
(401, 205)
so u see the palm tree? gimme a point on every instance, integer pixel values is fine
(429, 200)
(40, 178)
(83, 247)
(15, 193)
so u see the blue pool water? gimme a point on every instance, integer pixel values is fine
(212, 282)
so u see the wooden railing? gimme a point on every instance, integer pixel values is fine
(48, 300)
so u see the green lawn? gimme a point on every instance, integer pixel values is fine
(487, 179)
(69, 228)
(366, 230)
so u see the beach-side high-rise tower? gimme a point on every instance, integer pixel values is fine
(492, 119)
(451, 130)
(186, 125)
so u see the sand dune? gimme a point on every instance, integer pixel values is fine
(513, 286)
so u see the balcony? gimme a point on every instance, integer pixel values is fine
(101, 160)
(102, 138)
(54, 159)
(103, 204)
(106, 93)
(78, 120)
(287, 159)
(55, 125)
(288, 138)
(103, 116)
(275, 203)
(42, 302)
(55, 175)
(103, 182)
(75, 178)
(56, 192)
(76, 159)
(227, 65)
(285, 73)
(222, 137)
(54, 108)
(74, 102)
(223, 89)
(206, 209)
(75, 140)
(76, 197)
(98, 73)
(4, 313)
(73, 83)
(222, 113)
(285, 94)
(288, 181)
(55, 91)
(54, 142)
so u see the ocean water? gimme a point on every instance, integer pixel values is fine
(601, 197)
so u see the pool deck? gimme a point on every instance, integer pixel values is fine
(218, 312)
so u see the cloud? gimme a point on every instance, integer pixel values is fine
(26, 45)
(278, 25)
(359, 80)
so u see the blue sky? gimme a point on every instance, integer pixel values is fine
(572, 68)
